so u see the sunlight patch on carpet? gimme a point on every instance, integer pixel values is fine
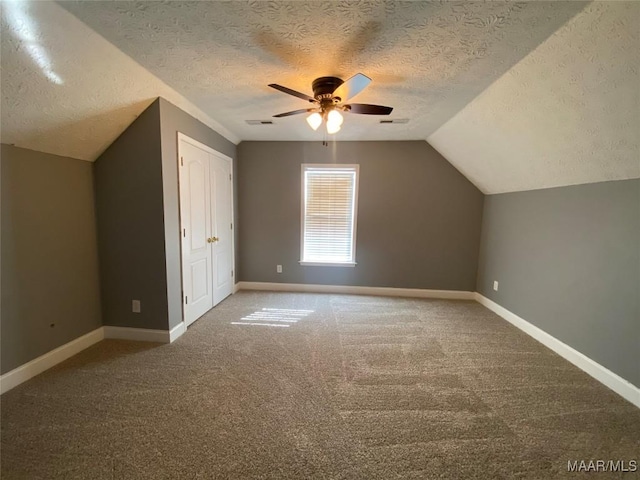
(267, 316)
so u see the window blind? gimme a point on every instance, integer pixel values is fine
(329, 214)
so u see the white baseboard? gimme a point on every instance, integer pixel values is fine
(605, 376)
(349, 289)
(176, 332)
(144, 334)
(137, 334)
(44, 362)
(38, 365)
(236, 287)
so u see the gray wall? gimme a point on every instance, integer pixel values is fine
(130, 214)
(568, 261)
(49, 255)
(418, 217)
(139, 219)
(172, 121)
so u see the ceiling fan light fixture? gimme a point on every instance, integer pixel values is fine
(332, 127)
(335, 117)
(329, 93)
(314, 120)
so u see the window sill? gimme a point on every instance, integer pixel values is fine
(327, 264)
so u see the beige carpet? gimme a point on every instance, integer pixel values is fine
(352, 387)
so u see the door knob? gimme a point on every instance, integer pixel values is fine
(214, 239)
(209, 240)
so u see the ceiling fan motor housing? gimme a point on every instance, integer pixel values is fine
(324, 87)
(328, 95)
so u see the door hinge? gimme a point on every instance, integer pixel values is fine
(232, 226)
(232, 273)
(229, 177)
(184, 232)
(186, 299)
(182, 161)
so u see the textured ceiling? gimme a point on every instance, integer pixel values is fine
(426, 59)
(556, 102)
(568, 113)
(65, 89)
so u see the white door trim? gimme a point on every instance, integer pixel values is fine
(182, 137)
(202, 146)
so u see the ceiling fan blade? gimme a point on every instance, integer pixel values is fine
(296, 112)
(365, 109)
(352, 87)
(292, 92)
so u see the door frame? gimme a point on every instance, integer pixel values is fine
(182, 137)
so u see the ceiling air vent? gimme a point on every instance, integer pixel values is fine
(260, 122)
(397, 120)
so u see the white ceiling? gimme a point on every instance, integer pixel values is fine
(568, 113)
(66, 90)
(556, 97)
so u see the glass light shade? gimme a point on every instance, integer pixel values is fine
(314, 120)
(335, 118)
(332, 127)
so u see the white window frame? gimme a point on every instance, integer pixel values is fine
(352, 167)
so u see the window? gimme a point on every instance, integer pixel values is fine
(329, 209)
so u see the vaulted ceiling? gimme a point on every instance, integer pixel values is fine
(516, 95)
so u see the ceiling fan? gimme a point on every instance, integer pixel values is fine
(329, 95)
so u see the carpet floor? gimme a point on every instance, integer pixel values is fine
(296, 386)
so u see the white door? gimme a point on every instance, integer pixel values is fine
(206, 228)
(222, 228)
(195, 210)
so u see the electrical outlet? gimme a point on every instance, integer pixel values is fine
(495, 285)
(279, 268)
(135, 306)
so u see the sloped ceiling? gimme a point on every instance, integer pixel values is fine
(68, 91)
(568, 113)
(431, 61)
